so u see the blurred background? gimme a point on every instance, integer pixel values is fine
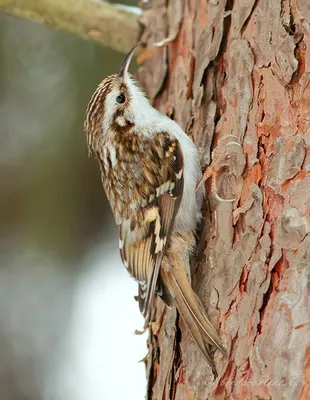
(67, 312)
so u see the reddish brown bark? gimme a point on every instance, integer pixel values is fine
(235, 75)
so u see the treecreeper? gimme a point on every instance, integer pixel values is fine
(150, 170)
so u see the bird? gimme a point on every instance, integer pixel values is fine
(150, 169)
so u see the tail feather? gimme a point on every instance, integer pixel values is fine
(195, 332)
(194, 306)
(193, 314)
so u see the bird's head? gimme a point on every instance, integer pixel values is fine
(118, 104)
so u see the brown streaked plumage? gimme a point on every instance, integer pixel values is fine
(149, 170)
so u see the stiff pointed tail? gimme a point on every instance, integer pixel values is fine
(193, 314)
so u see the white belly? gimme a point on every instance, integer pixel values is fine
(189, 212)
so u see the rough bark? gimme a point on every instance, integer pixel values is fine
(235, 75)
(114, 26)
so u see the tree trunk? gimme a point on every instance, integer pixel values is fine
(235, 75)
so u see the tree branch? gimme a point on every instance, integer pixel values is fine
(113, 26)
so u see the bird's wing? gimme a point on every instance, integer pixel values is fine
(145, 234)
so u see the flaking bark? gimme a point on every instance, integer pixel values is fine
(235, 75)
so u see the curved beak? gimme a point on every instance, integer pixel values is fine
(125, 65)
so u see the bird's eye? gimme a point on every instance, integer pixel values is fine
(120, 99)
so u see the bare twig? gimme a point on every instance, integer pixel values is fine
(113, 26)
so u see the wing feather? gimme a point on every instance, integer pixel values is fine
(145, 234)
